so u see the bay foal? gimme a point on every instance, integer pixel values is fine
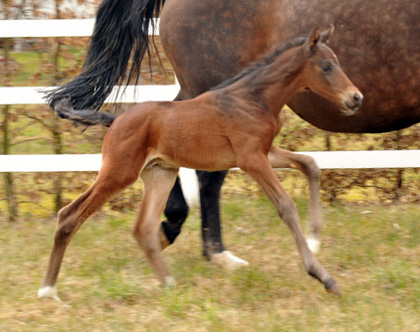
(231, 125)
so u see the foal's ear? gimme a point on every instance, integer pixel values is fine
(326, 35)
(312, 41)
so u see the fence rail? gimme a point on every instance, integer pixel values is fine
(324, 159)
(86, 162)
(130, 94)
(50, 28)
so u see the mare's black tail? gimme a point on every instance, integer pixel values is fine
(64, 109)
(121, 32)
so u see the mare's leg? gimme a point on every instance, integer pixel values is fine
(158, 182)
(210, 186)
(259, 167)
(176, 211)
(280, 158)
(113, 178)
(213, 248)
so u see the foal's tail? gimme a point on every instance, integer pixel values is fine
(121, 32)
(64, 110)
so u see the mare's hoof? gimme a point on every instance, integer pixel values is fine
(164, 242)
(228, 261)
(49, 292)
(332, 286)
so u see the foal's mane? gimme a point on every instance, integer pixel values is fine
(264, 61)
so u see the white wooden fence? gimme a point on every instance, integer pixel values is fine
(91, 162)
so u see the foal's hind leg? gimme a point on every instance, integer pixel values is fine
(280, 158)
(158, 182)
(258, 166)
(111, 179)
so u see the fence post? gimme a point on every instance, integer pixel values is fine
(8, 177)
(57, 139)
(400, 172)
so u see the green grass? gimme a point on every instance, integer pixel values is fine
(107, 285)
(28, 63)
(34, 68)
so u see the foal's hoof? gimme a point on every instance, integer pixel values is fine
(170, 283)
(332, 286)
(49, 292)
(313, 243)
(228, 261)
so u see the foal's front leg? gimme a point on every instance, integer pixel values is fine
(280, 158)
(258, 166)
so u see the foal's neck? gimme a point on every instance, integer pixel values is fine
(273, 84)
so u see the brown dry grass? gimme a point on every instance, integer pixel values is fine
(107, 285)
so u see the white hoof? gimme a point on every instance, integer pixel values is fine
(313, 244)
(50, 292)
(170, 282)
(228, 261)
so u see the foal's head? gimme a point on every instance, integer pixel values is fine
(323, 74)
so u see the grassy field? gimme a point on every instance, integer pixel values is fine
(106, 284)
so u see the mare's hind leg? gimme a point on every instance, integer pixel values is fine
(112, 179)
(158, 182)
(259, 167)
(176, 212)
(280, 158)
(210, 186)
(213, 248)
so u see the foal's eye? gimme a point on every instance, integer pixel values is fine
(326, 67)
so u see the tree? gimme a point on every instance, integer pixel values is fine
(8, 177)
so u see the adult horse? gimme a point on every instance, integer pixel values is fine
(207, 41)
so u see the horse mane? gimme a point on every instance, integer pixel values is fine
(265, 60)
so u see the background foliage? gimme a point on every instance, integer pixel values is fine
(35, 129)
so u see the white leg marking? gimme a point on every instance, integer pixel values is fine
(190, 187)
(50, 292)
(228, 261)
(313, 244)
